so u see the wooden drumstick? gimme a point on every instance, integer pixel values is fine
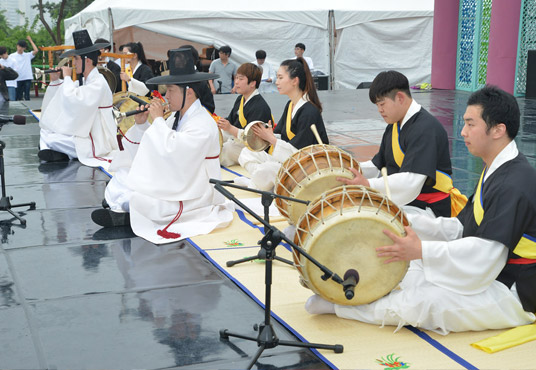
(315, 132)
(384, 175)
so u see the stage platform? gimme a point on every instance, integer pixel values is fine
(75, 296)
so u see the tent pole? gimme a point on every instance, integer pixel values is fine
(111, 23)
(331, 31)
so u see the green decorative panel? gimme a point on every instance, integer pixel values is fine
(473, 42)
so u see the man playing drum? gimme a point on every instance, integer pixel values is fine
(414, 149)
(249, 106)
(476, 271)
(77, 120)
(161, 184)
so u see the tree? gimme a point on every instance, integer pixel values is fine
(58, 12)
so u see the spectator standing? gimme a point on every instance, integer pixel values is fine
(23, 66)
(268, 73)
(227, 71)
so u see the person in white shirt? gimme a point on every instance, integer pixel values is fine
(23, 63)
(11, 85)
(268, 73)
(299, 49)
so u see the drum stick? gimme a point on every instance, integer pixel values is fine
(384, 175)
(315, 132)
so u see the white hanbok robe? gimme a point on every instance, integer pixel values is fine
(170, 168)
(78, 120)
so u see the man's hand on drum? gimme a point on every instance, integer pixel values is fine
(358, 179)
(405, 248)
(265, 133)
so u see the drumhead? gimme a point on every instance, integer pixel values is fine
(252, 141)
(342, 230)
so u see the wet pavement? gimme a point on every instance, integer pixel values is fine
(75, 296)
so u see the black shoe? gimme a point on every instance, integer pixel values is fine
(105, 204)
(108, 218)
(49, 155)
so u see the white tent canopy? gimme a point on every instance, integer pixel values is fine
(369, 37)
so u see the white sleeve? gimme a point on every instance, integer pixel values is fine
(436, 228)
(404, 186)
(51, 90)
(369, 170)
(283, 150)
(466, 266)
(137, 87)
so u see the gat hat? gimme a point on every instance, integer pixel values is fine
(181, 70)
(83, 45)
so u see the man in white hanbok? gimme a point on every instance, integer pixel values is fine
(476, 271)
(161, 182)
(77, 119)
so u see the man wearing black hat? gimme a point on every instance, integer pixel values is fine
(77, 119)
(161, 181)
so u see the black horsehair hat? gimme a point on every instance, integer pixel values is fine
(181, 70)
(83, 45)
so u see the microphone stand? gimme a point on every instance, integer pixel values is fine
(267, 337)
(266, 200)
(5, 201)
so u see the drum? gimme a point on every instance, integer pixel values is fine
(307, 174)
(252, 141)
(341, 230)
(109, 77)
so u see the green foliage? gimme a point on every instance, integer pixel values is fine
(33, 27)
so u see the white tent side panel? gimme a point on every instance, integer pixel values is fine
(380, 42)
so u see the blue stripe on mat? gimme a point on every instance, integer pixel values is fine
(233, 172)
(252, 296)
(243, 217)
(441, 348)
(106, 172)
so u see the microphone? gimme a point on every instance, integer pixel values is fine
(351, 278)
(16, 119)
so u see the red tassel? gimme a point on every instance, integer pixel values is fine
(167, 234)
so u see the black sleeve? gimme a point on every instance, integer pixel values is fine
(233, 114)
(306, 116)
(279, 128)
(422, 143)
(143, 73)
(379, 159)
(257, 110)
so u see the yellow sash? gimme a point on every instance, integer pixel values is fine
(478, 208)
(526, 247)
(507, 339)
(443, 180)
(290, 134)
(241, 118)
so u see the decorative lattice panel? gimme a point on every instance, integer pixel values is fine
(527, 41)
(473, 41)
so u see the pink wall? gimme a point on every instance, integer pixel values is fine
(503, 38)
(444, 43)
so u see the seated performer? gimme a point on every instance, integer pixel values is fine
(414, 149)
(476, 271)
(161, 186)
(77, 120)
(138, 71)
(303, 110)
(249, 106)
